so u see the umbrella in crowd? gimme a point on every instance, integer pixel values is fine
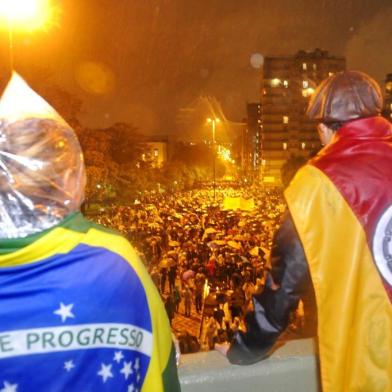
(254, 251)
(174, 244)
(234, 245)
(167, 262)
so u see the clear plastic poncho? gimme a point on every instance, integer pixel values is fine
(42, 175)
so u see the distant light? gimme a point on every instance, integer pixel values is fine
(256, 60)
(216, 120)
(275, 82)
(307, 92)
(26, 15)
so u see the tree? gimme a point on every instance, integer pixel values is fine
(126, 144)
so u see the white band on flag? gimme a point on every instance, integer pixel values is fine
(75, 337)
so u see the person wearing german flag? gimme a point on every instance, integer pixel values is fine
(337, 237)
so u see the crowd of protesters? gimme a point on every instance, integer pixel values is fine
(209, 259)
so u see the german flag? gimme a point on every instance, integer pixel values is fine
(341, 203)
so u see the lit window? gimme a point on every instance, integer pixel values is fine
(285, 119)
(305, 84)
(330, 73)
(156, 152)
(304, 66)
(285, 83)
(263, 162)
(303, 146)
(275, 82)
(284, 146)
(315, 66)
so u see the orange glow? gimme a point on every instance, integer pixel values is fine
(95, 78)
(26, 15)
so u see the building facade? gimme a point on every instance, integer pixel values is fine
(287, 85)
(155, 152)
(251, 141)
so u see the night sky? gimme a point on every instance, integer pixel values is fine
(141, 61)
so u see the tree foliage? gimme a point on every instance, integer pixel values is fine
(125, 143)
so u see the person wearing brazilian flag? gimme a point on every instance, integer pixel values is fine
(78, 310)
(337, 235)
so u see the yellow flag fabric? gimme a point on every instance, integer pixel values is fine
(238, 203)
(354, 311)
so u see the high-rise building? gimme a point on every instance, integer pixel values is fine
(287, 85)
(251, 140)
(387, 112)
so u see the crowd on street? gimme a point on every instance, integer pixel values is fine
(205, 258)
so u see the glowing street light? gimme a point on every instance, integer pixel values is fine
(213, 122)
(24, 15)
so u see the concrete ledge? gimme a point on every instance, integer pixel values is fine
(291, 368)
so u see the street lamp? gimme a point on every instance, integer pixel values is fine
(24, 15)
(213, 122)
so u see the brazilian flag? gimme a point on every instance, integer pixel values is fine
(79, 312)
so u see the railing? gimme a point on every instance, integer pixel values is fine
(291, 368)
